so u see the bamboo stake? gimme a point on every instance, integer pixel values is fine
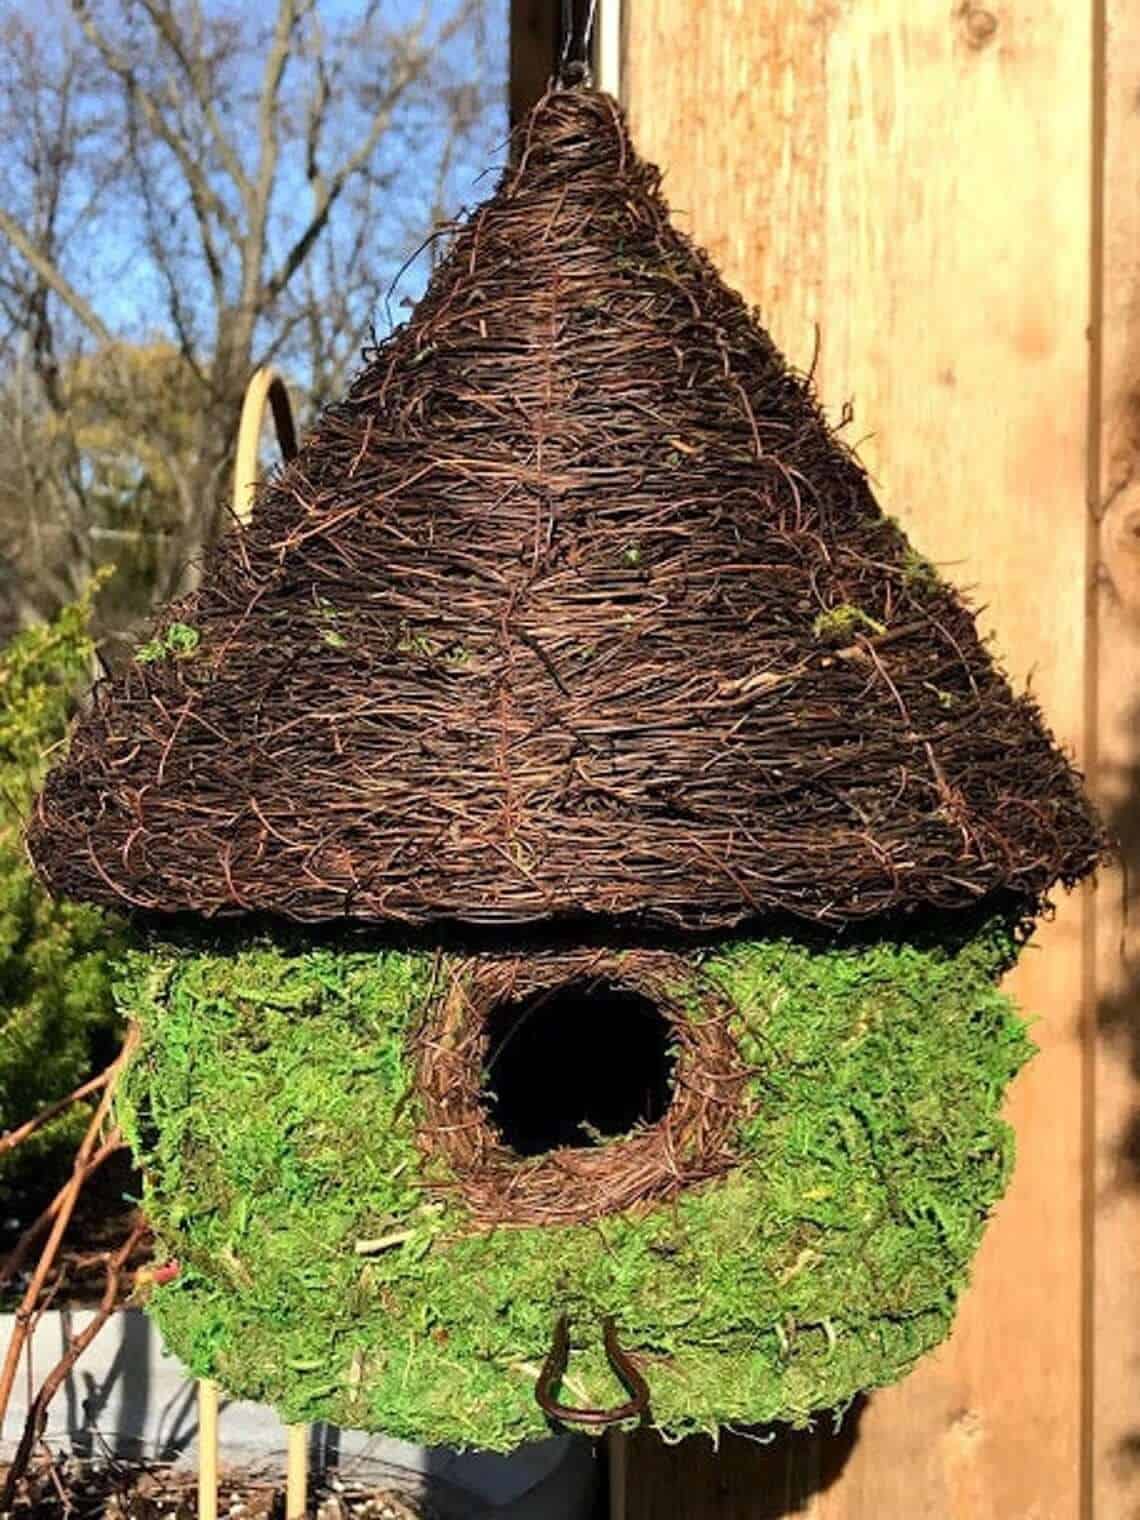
(207, 1450)
(265, 388)
(297, 1472)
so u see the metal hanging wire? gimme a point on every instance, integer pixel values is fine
(574, 60)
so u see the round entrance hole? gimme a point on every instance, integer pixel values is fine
(574, 1065)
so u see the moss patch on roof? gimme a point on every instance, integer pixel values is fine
(272, 1107)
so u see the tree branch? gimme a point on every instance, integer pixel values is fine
(253, 250)
(166, 25)
(67, 1204)
(37, 1412)
(205, 200)
(326, 192)
(52, 276)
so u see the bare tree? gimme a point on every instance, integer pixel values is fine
(188, 191)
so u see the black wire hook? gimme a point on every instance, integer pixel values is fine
(554, 1368)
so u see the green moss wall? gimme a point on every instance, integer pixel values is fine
(272, 1107)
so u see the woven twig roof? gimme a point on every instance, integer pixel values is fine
(574, 605)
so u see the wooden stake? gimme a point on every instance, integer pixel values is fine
(207, 1450)
(267, 388)
(297, 1472)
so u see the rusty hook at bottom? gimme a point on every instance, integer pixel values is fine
(554, 1368)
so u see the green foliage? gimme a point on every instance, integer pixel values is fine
(55, 959)
(917, 569)
(39, 673)
(839, 625)
(179, 640)
(273, 1107)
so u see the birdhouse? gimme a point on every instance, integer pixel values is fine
(575, 841)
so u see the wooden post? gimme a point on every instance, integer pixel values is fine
(207, 1450)
(534, 52)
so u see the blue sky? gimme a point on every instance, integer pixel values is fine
(111, 268)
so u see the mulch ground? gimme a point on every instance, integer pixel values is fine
(69, 1489)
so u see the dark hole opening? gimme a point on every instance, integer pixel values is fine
(576, 1064)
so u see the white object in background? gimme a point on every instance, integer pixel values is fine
(607, 48)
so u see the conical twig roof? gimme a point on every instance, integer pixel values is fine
(574, 605)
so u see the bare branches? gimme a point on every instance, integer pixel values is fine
(192, 65)
(24, 1131)
(268, 110)
(51, 275)
(228, 183)
(163, 123)
(13, 1264)
(66, 1205)
(327, 189)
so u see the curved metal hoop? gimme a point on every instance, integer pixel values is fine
(265, 388)
(554, 1367)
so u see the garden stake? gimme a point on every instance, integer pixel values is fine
(296, 1472)
(207, 1449)
(265, 387)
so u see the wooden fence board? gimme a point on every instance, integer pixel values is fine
(1115, 950)
(916, 178)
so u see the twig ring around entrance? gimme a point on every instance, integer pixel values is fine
(693, 1140)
